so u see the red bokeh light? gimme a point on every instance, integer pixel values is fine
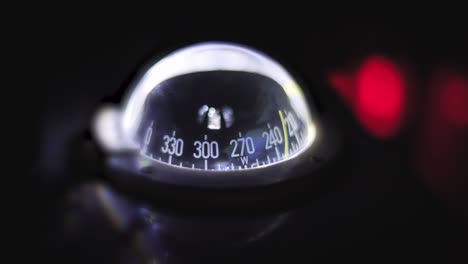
(344, 85)
(377, 94)
(443, 147)
(380, 96)
(453, 97)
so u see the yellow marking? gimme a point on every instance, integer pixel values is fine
(286, 140)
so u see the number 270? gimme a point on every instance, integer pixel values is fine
(242, 143)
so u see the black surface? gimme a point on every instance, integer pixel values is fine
(64, 64)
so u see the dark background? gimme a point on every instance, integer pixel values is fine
(64, 63)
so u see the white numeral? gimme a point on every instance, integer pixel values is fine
(149, 132)
(172, 145)
(245, 144)
(291, 123)
(273, 137)
(206, 149)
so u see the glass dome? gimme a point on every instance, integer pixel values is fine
(211, 108)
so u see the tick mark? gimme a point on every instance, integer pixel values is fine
(277, 153)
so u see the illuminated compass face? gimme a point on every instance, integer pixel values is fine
(213, 114)
(220, 120)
